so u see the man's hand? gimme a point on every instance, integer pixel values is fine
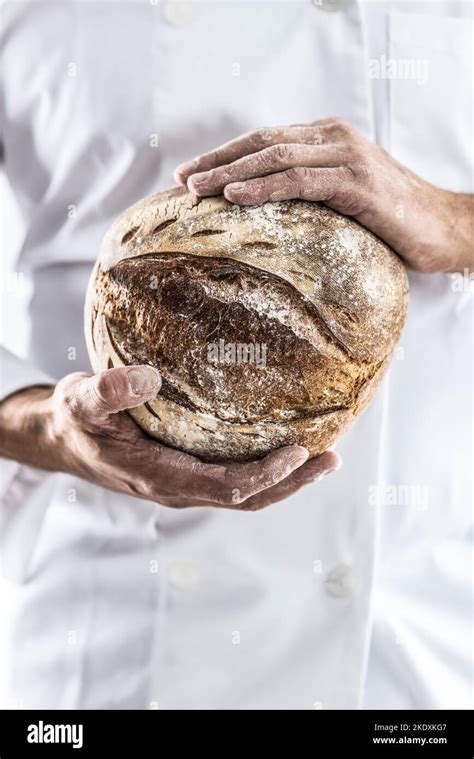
(80, 427)
(329, 161)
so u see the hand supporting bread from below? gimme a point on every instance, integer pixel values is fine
(329, 161)
(80, 427)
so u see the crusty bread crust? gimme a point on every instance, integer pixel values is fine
(324, 296)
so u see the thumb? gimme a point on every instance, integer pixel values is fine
(118, 389)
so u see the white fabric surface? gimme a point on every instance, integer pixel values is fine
(355, 592)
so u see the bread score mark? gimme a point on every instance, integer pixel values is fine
(135, 337)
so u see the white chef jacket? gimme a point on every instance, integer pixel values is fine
(354, 592)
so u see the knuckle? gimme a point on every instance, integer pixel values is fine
(262, 137)
(70, 403)
(344, 128)
(361, 171)
(65, 391)
(262, 160)
(280, 152)
(365, 171)
(297, 175)
(61, 389)
(346, 177)
(103, 384)
(208, 177)
(349, 202)
(352, 152)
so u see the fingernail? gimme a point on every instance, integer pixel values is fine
(335, 464)
(144, 380)
(187, 167)
(178, 178)
(198, 179)
(297, 455)
(330, 469)
(235, 186)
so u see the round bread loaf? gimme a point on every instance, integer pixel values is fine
(271, 325)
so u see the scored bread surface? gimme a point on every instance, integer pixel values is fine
(325, 297)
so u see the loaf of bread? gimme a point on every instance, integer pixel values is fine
(271, 325)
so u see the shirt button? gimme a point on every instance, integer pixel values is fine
(178, 13)
(340, 582)
(333, 5)
(183, 575)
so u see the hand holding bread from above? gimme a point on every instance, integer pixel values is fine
(270, 325)
(330, 161)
